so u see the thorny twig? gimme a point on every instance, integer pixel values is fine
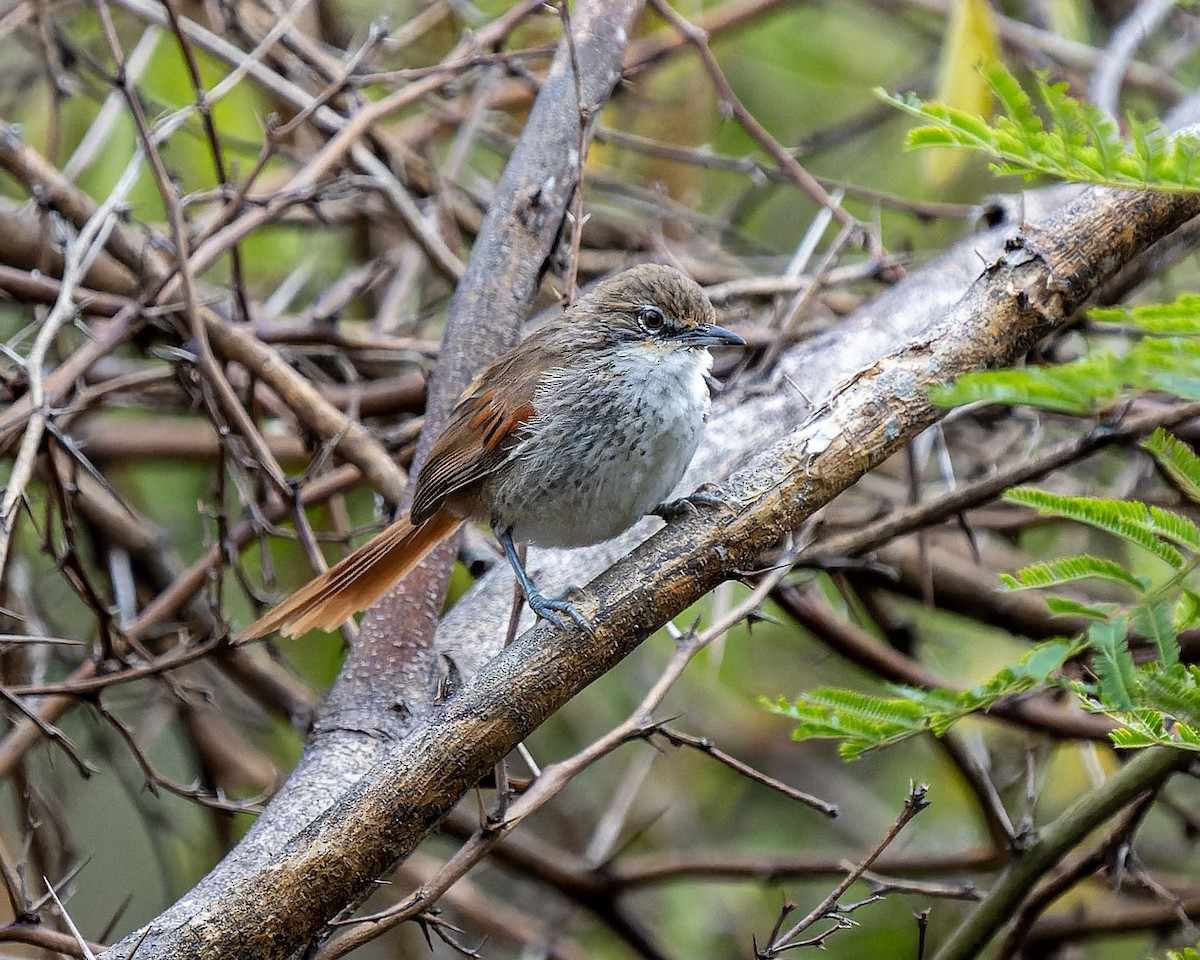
(828, 908)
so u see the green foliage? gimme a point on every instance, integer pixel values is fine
(1082, 387)
(1177, 460)
(864, 722)
(860, 721)
(1113, 664)
(1067, 569)
(1128, 692)
(1075, 142)
(1150, 528)
(1156, 702)
(1187, 953)
(1166, 356)
(1179, 318)
(1148, 701)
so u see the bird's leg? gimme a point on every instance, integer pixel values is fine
(544, 607)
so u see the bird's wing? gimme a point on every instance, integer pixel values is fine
(483, 429)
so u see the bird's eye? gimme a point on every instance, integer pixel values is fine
(652, 319)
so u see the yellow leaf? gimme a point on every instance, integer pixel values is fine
(972, 42)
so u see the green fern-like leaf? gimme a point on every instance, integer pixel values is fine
(866, 708)
(1181, 317)
(1156, 622)
(1016, 103)
(1136, 731)
(1174, 691)
(862, 722)
(1116, 675)
(1175, 526)
(1128, 519)
(1068, 606)
(1187, 611)
(1078, 388)
(1092, 383)
(1169, 364)
(1070, 569)
(1144, 728)
(1046, 659)
(1032, 670)
(1081, 144)
(850, 710)
(1127, 738)
(943, 708)
(1177, 460)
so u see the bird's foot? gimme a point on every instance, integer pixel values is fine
(547, 609)
(705, 496)
(553, 608)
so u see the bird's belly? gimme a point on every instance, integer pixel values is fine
(623, 454)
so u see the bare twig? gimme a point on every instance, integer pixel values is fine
(805, 180)
(705, 746)
(914, 803)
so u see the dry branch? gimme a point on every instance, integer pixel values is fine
(1035, 283)
(418, 716)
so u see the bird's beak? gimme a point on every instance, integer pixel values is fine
(710, 335)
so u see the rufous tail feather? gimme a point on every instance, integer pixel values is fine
(356, 581)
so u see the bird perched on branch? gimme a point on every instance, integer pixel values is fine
(566, 440)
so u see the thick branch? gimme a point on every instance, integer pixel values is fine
(1143, 773)
(1041, 278)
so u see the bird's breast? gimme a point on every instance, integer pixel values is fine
(610, 441)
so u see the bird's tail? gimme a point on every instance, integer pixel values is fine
(356, 581)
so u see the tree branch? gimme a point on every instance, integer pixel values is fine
(1033, 286)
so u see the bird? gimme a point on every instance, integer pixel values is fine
(566, 440)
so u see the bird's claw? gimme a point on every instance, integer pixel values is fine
(552, 609)
(706, 496)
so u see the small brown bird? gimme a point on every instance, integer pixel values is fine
(566, 440)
